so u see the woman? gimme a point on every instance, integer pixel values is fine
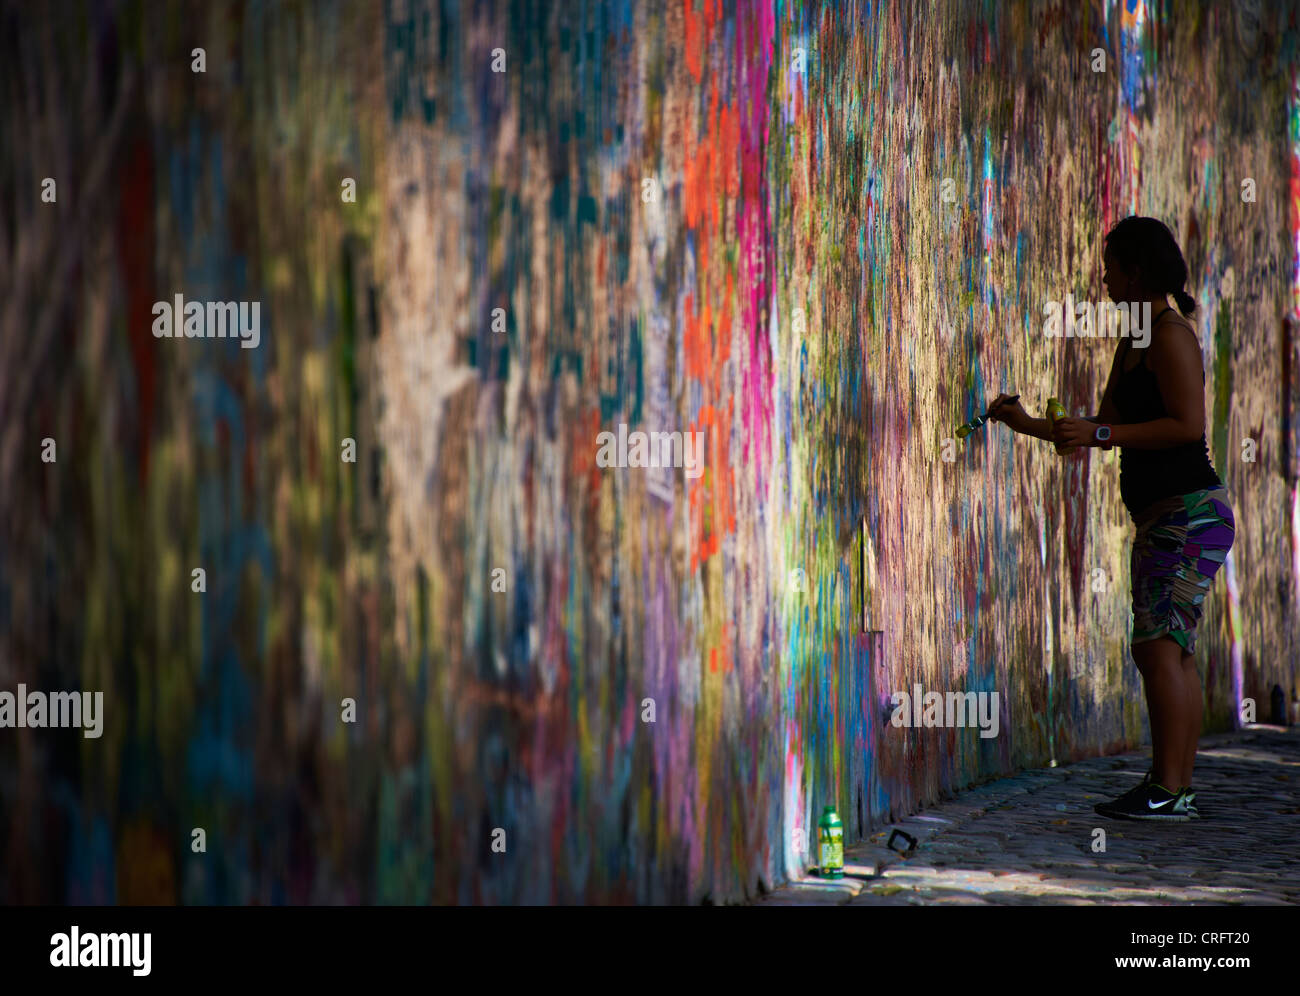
(1153, 409)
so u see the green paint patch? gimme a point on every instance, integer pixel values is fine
(1222, 382)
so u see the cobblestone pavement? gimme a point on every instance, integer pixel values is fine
(1028, 840)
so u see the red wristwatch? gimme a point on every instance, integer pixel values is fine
(1102, 437)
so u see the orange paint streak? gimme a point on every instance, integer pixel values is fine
(712, 176)
(694, 40)
(722, 348)
(721, 654)
(712, 506)
(583, 449)
(695, 338)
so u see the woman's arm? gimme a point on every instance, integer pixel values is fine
(1040, 428)
(1005, 408)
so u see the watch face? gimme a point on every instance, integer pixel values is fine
(1103, 433)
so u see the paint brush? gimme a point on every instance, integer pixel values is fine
(975, 423)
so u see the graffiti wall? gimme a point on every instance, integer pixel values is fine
(377, 605)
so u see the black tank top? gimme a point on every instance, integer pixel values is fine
(1146, 476)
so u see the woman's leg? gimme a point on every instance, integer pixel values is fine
(1193, 712)
(1161, 665)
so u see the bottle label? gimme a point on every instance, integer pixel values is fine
(832, 847)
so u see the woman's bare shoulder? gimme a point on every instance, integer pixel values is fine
(1173, 335)
(1174, 318)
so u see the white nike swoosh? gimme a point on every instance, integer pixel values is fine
(1157, 805)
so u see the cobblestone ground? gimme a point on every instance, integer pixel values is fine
(1028, 840)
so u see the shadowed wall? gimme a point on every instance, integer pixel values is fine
(691, 217)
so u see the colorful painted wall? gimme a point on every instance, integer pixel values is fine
(696, 217)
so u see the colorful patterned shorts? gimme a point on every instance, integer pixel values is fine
(1180, 545)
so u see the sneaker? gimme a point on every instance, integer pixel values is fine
(1187, 804)
(1137, 790)
(1148, 801)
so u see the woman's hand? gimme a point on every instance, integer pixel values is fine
(1007, 408)
(1074, 432)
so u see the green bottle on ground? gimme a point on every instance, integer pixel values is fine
(830, 844)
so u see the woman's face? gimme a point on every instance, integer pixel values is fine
(1120, 287)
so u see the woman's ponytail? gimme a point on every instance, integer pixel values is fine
(1186, 303)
